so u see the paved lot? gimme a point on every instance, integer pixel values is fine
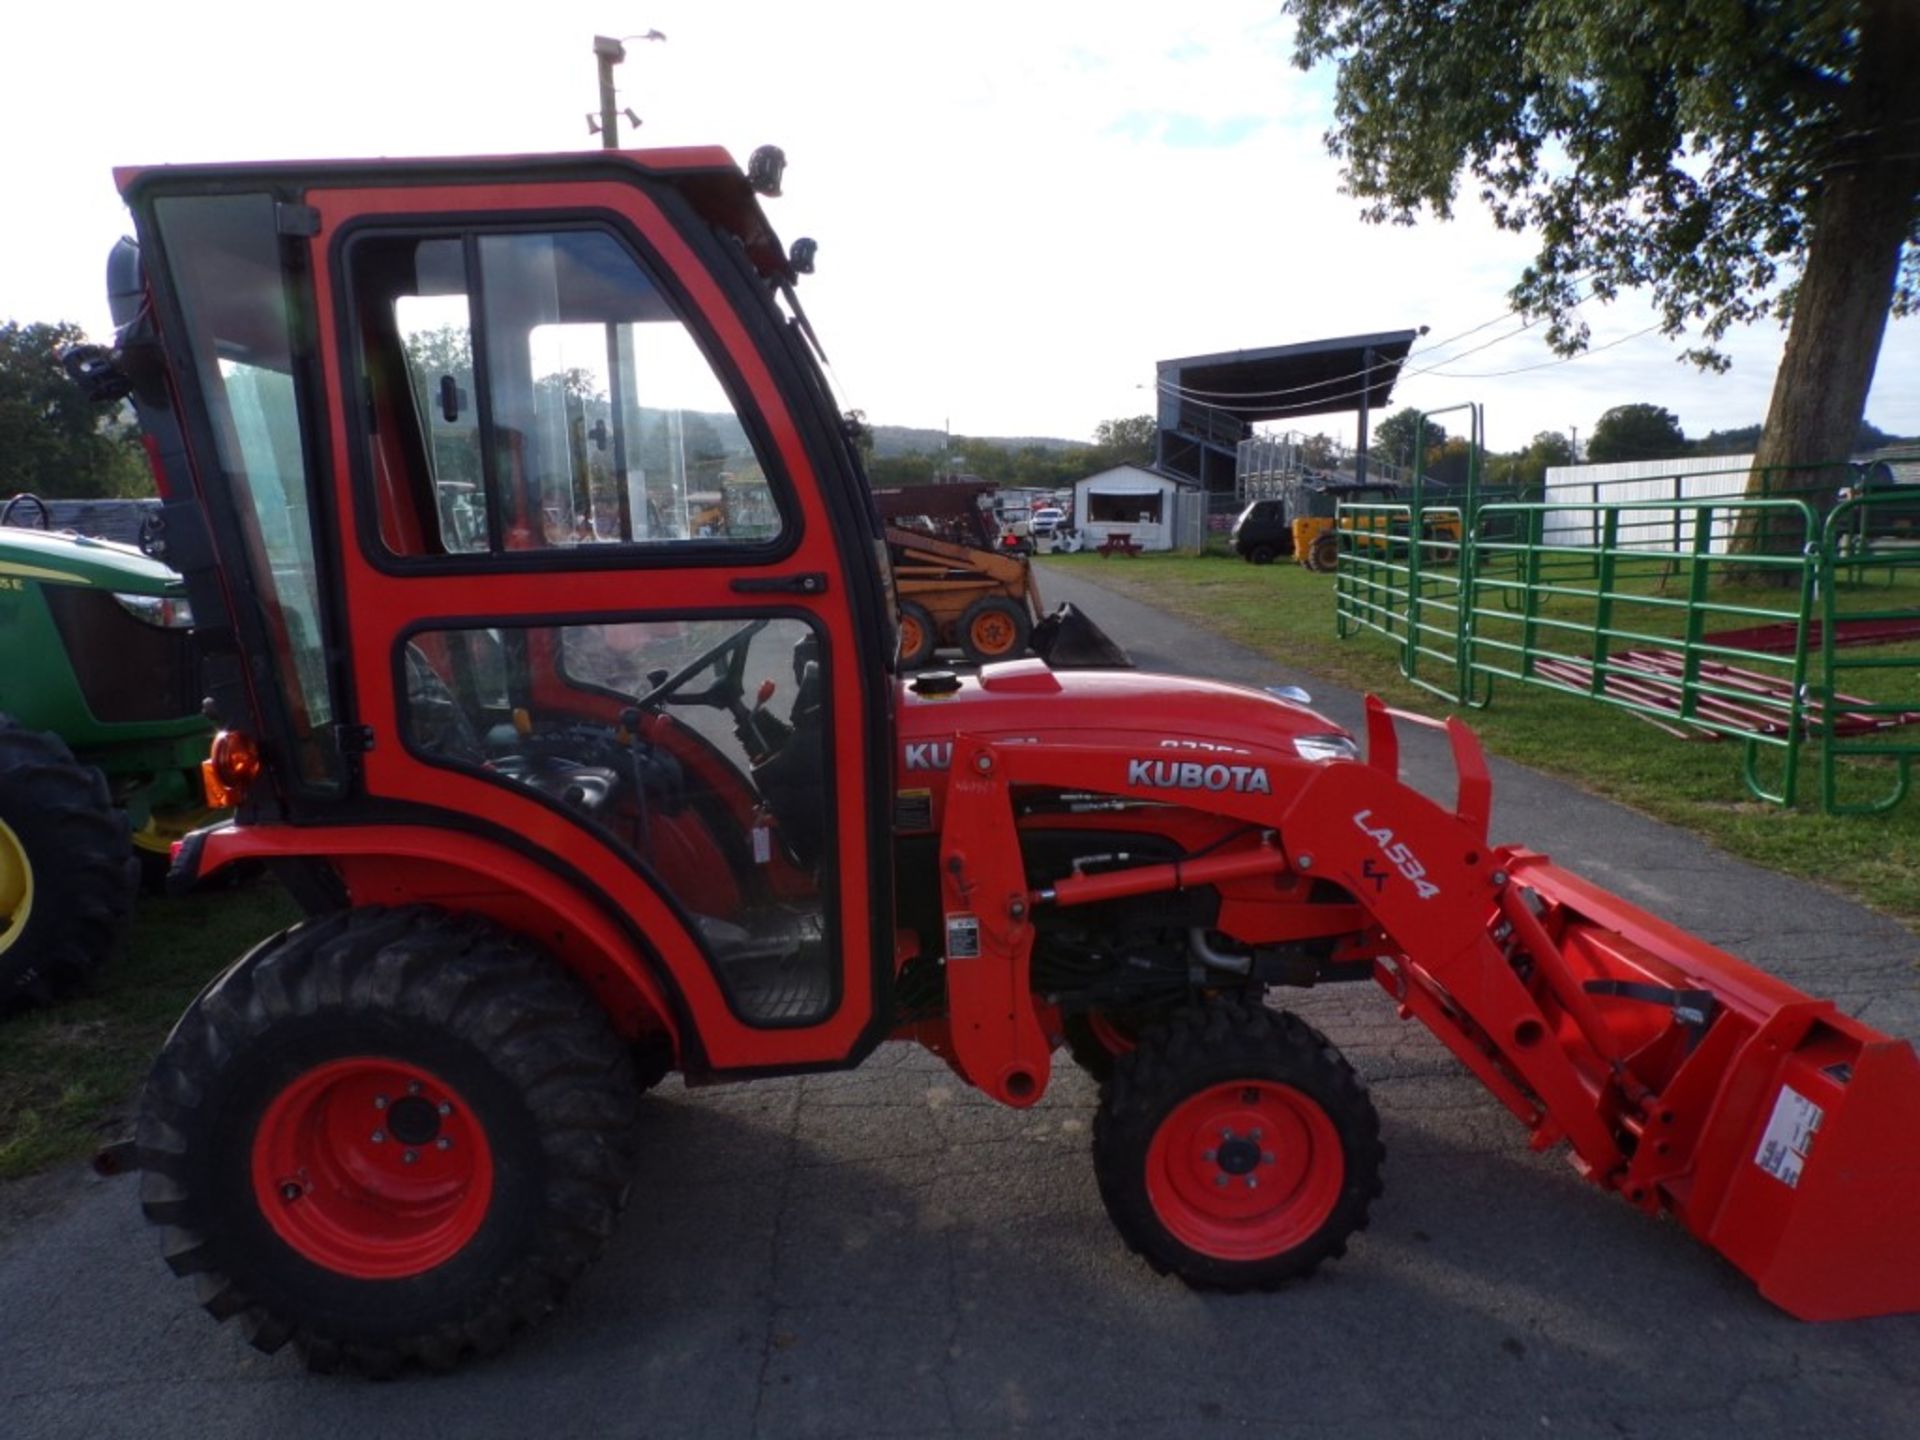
(881, 1254)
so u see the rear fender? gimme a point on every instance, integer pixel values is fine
(407, 865)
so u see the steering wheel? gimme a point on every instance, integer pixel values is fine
(728, 661)
(46, 515)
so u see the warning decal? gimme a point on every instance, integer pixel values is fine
(1789, 1136)
(963, 937)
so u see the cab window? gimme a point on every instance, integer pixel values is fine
(537, 392)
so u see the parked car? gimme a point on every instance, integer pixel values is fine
(1046, 520)
(1263, 532)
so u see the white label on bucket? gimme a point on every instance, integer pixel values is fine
(1789, 1136)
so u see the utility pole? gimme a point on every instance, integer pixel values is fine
(1574, 430)
(609, 51)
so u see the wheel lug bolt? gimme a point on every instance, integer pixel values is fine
(443, 1143)
(379, 1137)
(291, 1191)
(1253, 1182)
(1226, 1134)
(413, 1087)
(1266, 1157)
(1209, 1154)
(410, 1156)
(445, 1108)
(379, 1102)
(1254, 1136)
(1221, 1180)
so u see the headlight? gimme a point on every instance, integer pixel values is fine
(166, 611)
(1326, 747)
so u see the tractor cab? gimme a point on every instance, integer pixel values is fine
(445, 452)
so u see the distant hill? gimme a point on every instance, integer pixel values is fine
(892, 440)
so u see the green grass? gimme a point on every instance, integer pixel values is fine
(68, 1072)
(1286, 612)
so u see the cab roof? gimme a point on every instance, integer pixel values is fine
(707, 176)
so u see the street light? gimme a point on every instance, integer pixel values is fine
(609, 51)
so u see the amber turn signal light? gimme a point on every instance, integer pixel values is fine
(231, 767)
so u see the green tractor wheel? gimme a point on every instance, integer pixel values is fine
(67, 869)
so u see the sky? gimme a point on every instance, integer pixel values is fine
(1019, 207)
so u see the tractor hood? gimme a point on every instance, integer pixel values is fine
(1207, 725)
(66, 559)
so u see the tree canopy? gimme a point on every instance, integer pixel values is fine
(1393, 437)
(1636, 432)
(54, 441)
(1743, 159)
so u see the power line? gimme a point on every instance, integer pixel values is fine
(1544, 364)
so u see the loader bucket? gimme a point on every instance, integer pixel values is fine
(1776, 1129)
(1781, 1132)
(1068, 640)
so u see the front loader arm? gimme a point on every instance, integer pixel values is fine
(1680, 1076)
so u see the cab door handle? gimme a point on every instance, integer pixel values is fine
(810, 582)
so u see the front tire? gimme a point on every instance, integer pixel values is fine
(919, 635)
(387, 1136)
(67, 871)
(994, 628)
(1236, 1148)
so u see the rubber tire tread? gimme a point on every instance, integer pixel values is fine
(929, 633)
(1225, 1039)
(1022, 625)
(459, 977)
(85, 874)
(1323, 556)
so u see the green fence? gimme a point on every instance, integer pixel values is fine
(1655, 607)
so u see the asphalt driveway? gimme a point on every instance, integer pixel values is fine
(882, 1253)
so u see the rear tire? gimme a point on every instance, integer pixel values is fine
(1261, 554)
(276, 1128)
(994, 628)
(1235, 1148)
(67, 870)
(1324, 556)
(919, 635)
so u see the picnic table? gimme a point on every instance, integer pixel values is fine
(1118, 542)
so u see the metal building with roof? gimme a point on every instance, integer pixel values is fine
(1210, 403)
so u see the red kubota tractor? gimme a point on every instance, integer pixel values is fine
(578, 793)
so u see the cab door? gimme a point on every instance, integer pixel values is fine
(609, 584)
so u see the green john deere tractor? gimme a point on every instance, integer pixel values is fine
(100, 742)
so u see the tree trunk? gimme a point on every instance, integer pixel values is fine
(1860, 219)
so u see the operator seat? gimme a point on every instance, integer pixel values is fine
(792, 779)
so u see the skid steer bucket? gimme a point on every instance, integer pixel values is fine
(1068, 640)
(1781, 1132)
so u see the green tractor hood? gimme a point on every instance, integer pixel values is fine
(65, 559)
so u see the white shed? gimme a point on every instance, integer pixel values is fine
(1138, 499)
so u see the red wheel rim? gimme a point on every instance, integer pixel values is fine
(993, 633)
(911, 635)
(1206, 1153)
(372, 1168)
